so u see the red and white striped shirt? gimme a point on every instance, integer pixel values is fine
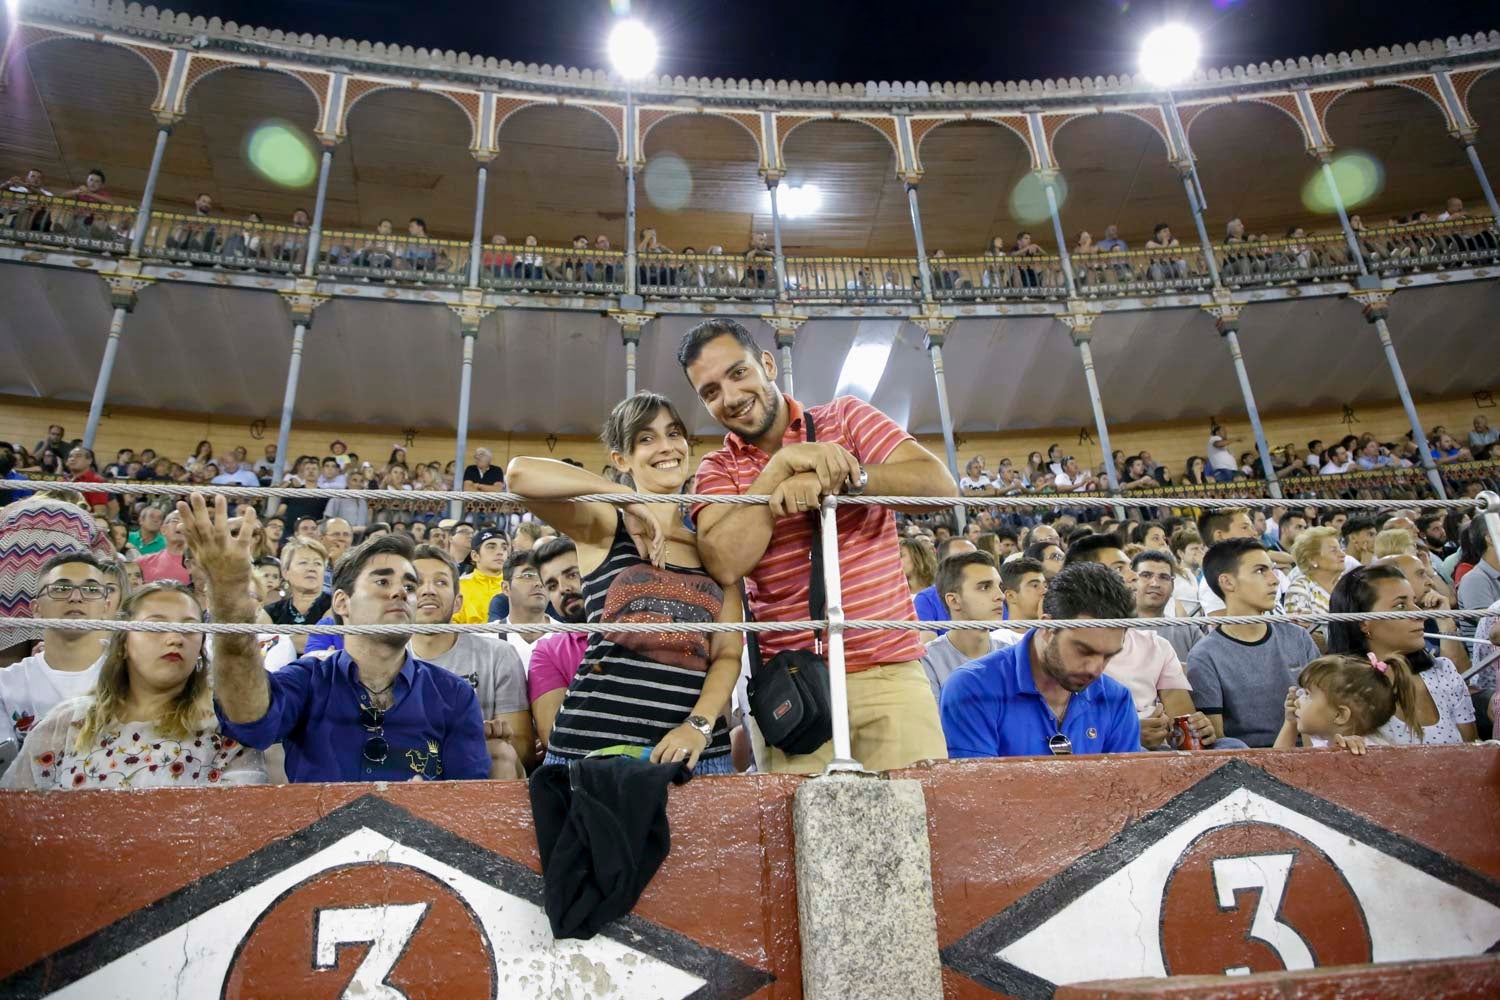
(869, 551)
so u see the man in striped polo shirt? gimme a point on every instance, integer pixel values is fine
(892, 715)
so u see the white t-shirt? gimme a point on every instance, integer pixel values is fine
(521, 644)
(1068, 484)
(30, 689)
(1451, 696)
(239, 477)
(1218, 455)
(975, 484)
(1334, 469)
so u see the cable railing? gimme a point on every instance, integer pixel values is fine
(853, 279)
(40, 220)
(713, 274)
(393, 257)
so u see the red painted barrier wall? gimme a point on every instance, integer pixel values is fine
(1049, 872)
(1449, 979)
(432, 888)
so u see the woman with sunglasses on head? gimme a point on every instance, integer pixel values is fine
(664, 693)
(149, 720)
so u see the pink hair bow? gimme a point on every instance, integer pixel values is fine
(1378, 663)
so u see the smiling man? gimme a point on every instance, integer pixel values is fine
(370, 712)
(1048, 692)
(854, 449)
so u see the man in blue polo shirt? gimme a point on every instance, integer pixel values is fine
(1048, 693)
(370, 712)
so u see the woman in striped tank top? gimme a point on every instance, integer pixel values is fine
(665, 690)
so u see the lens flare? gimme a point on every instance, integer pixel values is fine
(1359, 176)
(280, 154)
(1028, 199)
(669, 182)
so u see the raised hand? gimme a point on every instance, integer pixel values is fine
(222, 547)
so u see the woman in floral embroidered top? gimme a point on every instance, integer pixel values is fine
(149, 722)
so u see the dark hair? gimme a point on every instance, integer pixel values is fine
(418, 220)
(1217, 520)
(1473, 542)
(1428, 520)
(633, 415)
(1154, 555)
(1187, 470)
(1012, 570)
(711, 329)
(1355, 592)
(82, 556)
(1036, 550)
(425, 551)
(517, 559)
(1004, 531)
(551, 549)
(1372, 695)
(1156, 229)
(1088, 547)
(1224, 557)
(1359, 522)
(356, 559)
(95, 171)
(950, 572)
(1088, 590)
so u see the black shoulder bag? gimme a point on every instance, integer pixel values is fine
(789, 696)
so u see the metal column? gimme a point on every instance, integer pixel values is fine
(1338, 203)
(143, 216)
(465, 380)
(916, 227)
(106, 369)
(935, 349)
(631, 344)
(784, 347)
(781, 286)
(476, 244)
(1228, 328)
(1062, 243)
(315, 237)
(1484, 179)
(288, 402)
(630, 267)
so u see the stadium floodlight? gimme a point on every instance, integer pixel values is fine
(632, 49)
(1169, 54)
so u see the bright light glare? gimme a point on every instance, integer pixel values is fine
(13, 8)
(797, 202)
(1028, 199)
(632, 49)
(864, 366)
(1169, 55)
(1359, 176)
(669, 182)
(281, 155)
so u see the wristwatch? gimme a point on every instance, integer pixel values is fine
(703, 726)
(856, 486)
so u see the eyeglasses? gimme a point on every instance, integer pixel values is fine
(532, 577)
(376, 746)
(1060, 745)
(62, 590)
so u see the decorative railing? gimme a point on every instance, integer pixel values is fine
(1422, 246)
(853, 279)
(519, 267)
(392, 257)
(711, 275)
(1256, 260)
(997, 276)
(102, 227)
(223, 242)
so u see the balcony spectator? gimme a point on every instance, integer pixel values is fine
(1482, 438)
(291, 245)
(1165, 268)
(417, 255)
(1445, 450)
(80, 469)
(1112, 242)
(760, 262)
(653, 272)
(1047, 693)
(148, 721)
(33, 218)
(994, 275)
(198, 234)
(1135, 477)
(975, 481)
(1339, 462)
(1086, 272)
(1073, 479)
(381, 252)
(498, 261)
(303, 476)
(1221, 463)
(945, 276)
(602, 246)
(530, 264)
(232, 473)
(1026, 277)
(265, 465)
(1296, 255)
(1374, 455)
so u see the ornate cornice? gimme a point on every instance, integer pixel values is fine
(462, 69)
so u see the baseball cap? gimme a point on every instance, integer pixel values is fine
(485, 534)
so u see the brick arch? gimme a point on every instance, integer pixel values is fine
(787, 124)
(1422, 84)
(1463, 84)
(357, 90)
(1287, 105)
(509, 107)
(158, 60)
(1150, 117)
(201, 68)
(1191, 115)
(505, 107)
(1016, 124)
(652, 117)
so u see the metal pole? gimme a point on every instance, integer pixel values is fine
(945, 416)
(1338, 203)
(1484, 182)
(1193, 187)
(1434, 477)
(1086, 355)
(1062, 244)
(143, 217)
(838, 687)
(315, 237)
(781, 287)
(785, 346)
(284, 432)
(465, 380)
(1489, 510)
(630, 268)
(630, 347)
(106, 369)
(1232, 338)
(476, 244)
(916, 227)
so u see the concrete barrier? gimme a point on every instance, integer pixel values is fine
(1447, 979)
(1053, 872)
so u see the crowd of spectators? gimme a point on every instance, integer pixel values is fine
(238, 708)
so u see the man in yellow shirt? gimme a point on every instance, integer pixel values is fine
(480, 587)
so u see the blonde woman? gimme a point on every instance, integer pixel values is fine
(1395, 542)
(918, 563)
(1320, 563)
(149, 721)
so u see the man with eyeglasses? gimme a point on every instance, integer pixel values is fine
(71, 585)
(523, 603)
(1048, 693)
(369, 712)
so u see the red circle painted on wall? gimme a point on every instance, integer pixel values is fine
(1255, 897)
(374, 930)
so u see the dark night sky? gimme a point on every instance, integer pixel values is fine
(859, 40)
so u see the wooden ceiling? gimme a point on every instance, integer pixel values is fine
(73, 105)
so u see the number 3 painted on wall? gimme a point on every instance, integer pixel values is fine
(1268, 873)
(389, 930)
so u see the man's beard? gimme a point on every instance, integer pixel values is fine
(1052, 666)
(577, 616)
(772, 402)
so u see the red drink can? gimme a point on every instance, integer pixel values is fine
(1187, 736)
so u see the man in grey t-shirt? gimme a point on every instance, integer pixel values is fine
(1240, 673)
(968, 584)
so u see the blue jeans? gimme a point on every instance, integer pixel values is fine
(1223, 475)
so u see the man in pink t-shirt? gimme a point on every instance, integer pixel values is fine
(555, 660)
